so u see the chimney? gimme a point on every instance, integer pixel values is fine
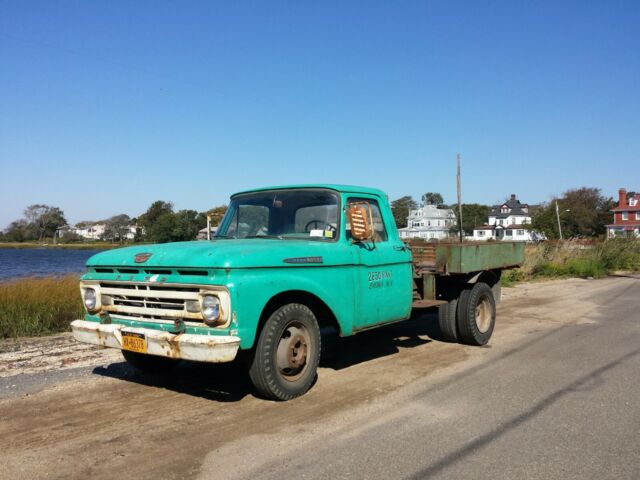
(513, 197)
(622, 198)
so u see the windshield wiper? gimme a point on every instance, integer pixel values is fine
(277, 237)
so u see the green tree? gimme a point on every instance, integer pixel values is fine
(17, 231)
(473, 215)
(116, 228)
(154, 212)
(185, 225)
(44, 219)
(216, 214)
(401, 208)
(155, 222)
(432, 198)
(173, 227)
(584, 212)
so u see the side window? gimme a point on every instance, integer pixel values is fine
(378, 224)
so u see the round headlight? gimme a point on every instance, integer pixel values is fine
(90, 299)
(210, 308)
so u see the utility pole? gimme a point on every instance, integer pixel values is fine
(208, 226)
(558, 217)
(459, 198)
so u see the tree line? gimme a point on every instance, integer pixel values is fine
(159, 224)
(584, 212)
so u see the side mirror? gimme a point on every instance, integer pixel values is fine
(361, 219)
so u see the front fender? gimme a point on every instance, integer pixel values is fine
(253, 288)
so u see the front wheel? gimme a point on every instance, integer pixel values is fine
(287, 354)
(476, 316)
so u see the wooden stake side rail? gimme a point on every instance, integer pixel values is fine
(456, 258)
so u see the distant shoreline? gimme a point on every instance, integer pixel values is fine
(65, 246)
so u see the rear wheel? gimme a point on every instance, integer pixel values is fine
(287, 354)
(149, 363)
(476, 316)
(447, 320)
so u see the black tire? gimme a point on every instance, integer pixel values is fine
(447, 320)
(149, 363)
(497, 292)
(476, 316)
(287, 353)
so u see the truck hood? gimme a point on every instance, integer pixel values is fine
(227, 253)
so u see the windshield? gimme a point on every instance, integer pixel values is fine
(283, 214)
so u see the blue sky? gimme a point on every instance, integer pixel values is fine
(108, 106)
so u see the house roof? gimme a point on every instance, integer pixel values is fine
(513, 204)
(515, 213)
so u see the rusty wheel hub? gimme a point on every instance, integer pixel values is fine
(483, 315)
(293, 349)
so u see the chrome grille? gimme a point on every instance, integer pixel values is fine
(149, 302)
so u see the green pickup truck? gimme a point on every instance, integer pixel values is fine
(285, 264)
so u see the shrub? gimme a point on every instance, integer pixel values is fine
(574, 258)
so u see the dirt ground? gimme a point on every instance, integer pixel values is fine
(74, 411)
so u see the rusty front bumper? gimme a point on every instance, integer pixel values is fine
(202, 348)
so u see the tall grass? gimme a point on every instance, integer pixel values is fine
(577, 259)
(38, 306)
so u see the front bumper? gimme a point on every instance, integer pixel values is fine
(186, 346)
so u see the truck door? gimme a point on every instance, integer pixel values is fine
(384, 281)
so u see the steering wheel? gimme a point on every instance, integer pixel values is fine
(317, 223)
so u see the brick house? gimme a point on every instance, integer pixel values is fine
(626, 216)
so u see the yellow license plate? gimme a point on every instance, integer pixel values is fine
(136, 342)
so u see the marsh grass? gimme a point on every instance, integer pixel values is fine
(576, 259)
(39, 306)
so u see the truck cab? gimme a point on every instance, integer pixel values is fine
(284, 263)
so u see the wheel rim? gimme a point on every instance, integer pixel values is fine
(483, 314)
(293, 351)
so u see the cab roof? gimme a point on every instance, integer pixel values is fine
(328, 186)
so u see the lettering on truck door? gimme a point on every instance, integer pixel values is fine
(383, 280)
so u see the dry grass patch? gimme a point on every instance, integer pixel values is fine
(39, 306)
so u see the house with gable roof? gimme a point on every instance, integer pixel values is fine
(508, 221)
(429, 223)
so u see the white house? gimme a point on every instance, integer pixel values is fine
(92, 232)
(508, 221)
(429, 222)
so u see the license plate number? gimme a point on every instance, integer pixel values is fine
(135, 342)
